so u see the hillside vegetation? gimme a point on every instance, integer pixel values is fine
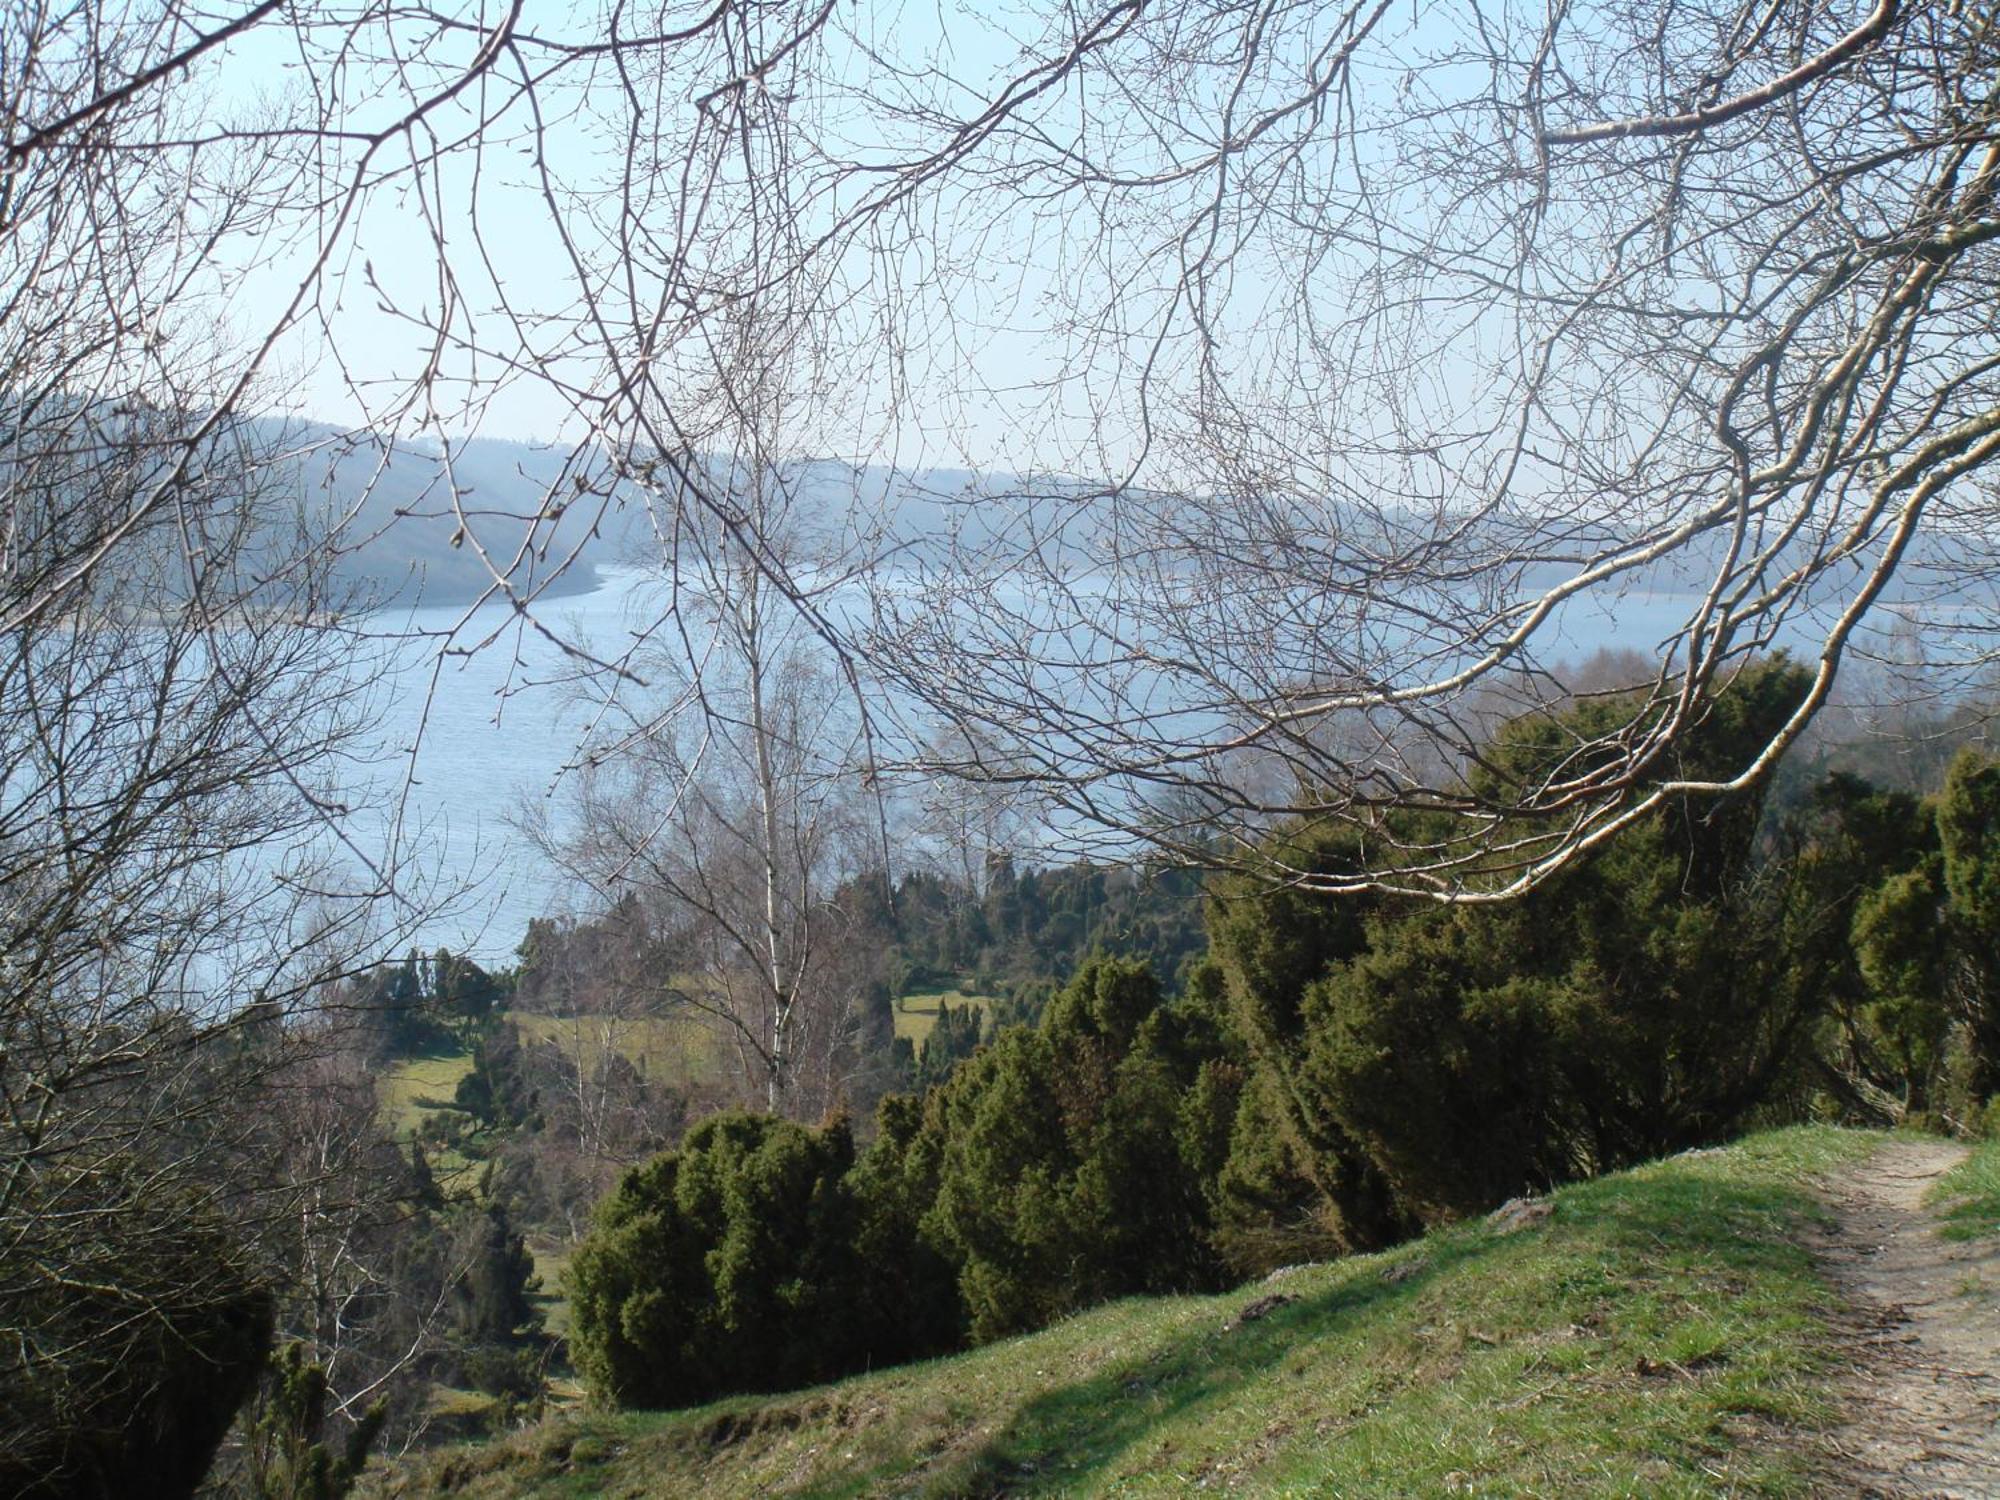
(1326, 1079)
(1658, 1332)
(1968, 1197)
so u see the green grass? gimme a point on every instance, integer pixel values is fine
(417, 1085)
(1969, 1195)
(451, 1401)
(678, 1050)
(1661, 1335)
(551, 1259)
(917, 1014)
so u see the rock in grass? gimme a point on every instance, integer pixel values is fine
(1263, 1307)
(1520, 1213)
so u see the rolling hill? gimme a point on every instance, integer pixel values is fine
(1660, 1332)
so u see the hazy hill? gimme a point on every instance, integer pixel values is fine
(418, 524)
(415, 517)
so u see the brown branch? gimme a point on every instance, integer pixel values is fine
(1870, 31)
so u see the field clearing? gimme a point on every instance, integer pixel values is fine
(404, 1089)
(676, 1050)
(454, 1401)
(917, 1014)
(552, 1259)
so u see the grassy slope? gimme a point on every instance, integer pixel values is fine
(414, 1086)
(680, 1050)
(917, 1014)
(1659, 1336)
(1970, 1195)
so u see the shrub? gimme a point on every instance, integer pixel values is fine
(727, 1265)
(1412, 1060)
(1073, 1161)
(136, 1329)
(288, 1457)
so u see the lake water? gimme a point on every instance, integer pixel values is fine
(484, 733)
(473, 728)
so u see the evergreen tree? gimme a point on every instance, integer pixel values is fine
(1646, 998)
(727, 1265)
(952, 1039)
(1073, 1160)
(289, 1458)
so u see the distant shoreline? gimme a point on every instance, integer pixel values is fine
(580, 579)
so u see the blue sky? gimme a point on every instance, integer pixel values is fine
(1021, 327)
(352, 359)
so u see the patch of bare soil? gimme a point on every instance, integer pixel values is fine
(1923, 1326)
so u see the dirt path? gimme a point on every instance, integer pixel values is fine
(1924, 1320)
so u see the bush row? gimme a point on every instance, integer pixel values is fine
(1338, 1073)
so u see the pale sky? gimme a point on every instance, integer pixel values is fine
(1023, 329)
(353, 357)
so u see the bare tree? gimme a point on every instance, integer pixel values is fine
(1375, 346)
(613, 1064)
(1372, 347)
(966, 813)
(174, 719)
(1399, 377)
(1381, 352)
(732, 816)
(1368, 349)
(177, 724)
(1380, 347)
(341, 1253)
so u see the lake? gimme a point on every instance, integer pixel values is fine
(483, 733)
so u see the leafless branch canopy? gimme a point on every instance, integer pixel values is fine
(1197, 415)
(1329, 373)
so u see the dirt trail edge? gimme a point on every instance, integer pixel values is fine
(1922, 1325)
